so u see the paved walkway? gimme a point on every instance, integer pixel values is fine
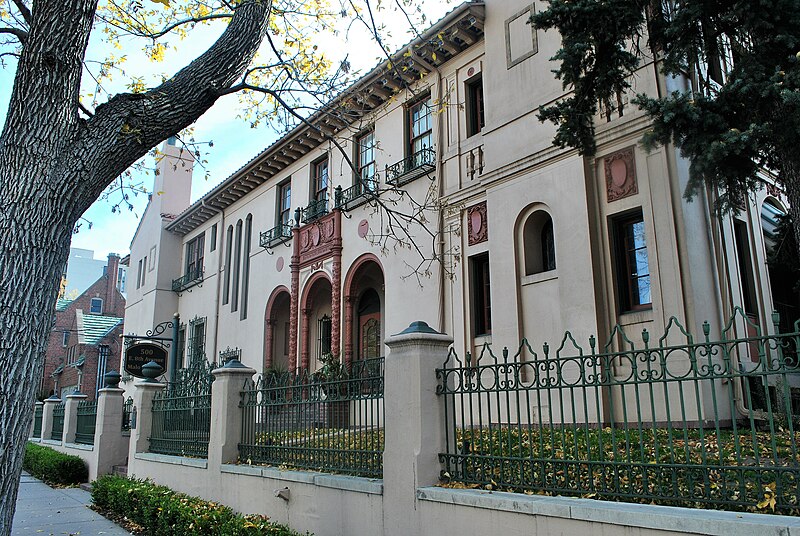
(42, 510)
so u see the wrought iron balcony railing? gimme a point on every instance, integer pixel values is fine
(278, 234)
(192, 277)
(358, 194)
(411, 167)
(315, 210)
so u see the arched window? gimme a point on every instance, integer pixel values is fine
(539, 243)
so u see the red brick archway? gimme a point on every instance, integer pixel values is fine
(352, 291)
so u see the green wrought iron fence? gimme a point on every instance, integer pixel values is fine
(182, 414)
(331, 423)
(710, 423)
(38, 411)
(362, 191)
(86, 422)
(128, 412)
(58, 422)
(316, 209)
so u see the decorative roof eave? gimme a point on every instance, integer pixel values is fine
(453, 34)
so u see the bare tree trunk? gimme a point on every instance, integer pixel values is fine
(53, 165)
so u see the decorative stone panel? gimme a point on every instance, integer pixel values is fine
(620, 171)
(477, 224)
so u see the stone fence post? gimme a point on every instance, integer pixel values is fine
(33, 421)
(414, 424)
(47, 416)
(71, 416)
(143, 396)
(226, 415)
(111, 447)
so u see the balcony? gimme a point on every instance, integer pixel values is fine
(315, 210)
(411, 167)
(277, 235)
(192, 277)
(358, 194)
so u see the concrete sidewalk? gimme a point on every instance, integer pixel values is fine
(42, 510)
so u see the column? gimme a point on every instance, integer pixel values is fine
(71, 416)
(414, 424)
(47, 416)
(143, 395)
(269, 328)
(348, 330)
(226, 415)
(304, 340)
(111, 447)
(294, 307)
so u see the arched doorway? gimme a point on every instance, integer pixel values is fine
(364, 309)
(277, 331)
(317, 324)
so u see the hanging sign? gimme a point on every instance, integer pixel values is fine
(139, 354)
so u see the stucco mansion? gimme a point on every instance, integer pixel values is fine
(444, 200)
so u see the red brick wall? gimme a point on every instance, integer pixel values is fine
(113, 305)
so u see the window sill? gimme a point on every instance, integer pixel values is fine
(640, 316)
(538, 278)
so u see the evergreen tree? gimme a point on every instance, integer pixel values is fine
(742, 57)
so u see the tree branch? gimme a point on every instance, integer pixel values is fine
(24, 11)
(19, 33)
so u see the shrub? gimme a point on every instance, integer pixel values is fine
(54, 467)
(159, 511)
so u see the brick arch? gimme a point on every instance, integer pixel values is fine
(350, 294)
(349, 280)
(269, 323)
(315, 277)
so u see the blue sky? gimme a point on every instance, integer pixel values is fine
(234, 141)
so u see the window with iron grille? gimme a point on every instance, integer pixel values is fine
(481, 295)
(324, 332)
(195, 250)
(197, 341)
(420, 126)
(632, 264)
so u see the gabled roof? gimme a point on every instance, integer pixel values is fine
(62, 304)
(454, 33)
(96, 327)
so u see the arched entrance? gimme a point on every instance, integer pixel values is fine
(277, 321)
(364, 309)
(316, 322)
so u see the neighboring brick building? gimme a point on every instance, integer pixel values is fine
(85, 339)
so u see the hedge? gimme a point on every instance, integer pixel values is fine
(54, 467)
(158, 510)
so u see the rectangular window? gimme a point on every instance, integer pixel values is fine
(746, 276)
(481, 295)
(319, 181)
(632, 265)
(65, 338)
(237, 267)
(96, 306)
(226, 289)
(181, 354)
(248, 232)
(144, 270)
(324, 331)
(285, 203)
(213, 244)
(475, 115)
(139, 275)
(122, 276)
(195, 250)
(365, 145)
(420, 127)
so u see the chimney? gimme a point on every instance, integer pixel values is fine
(112, 273)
